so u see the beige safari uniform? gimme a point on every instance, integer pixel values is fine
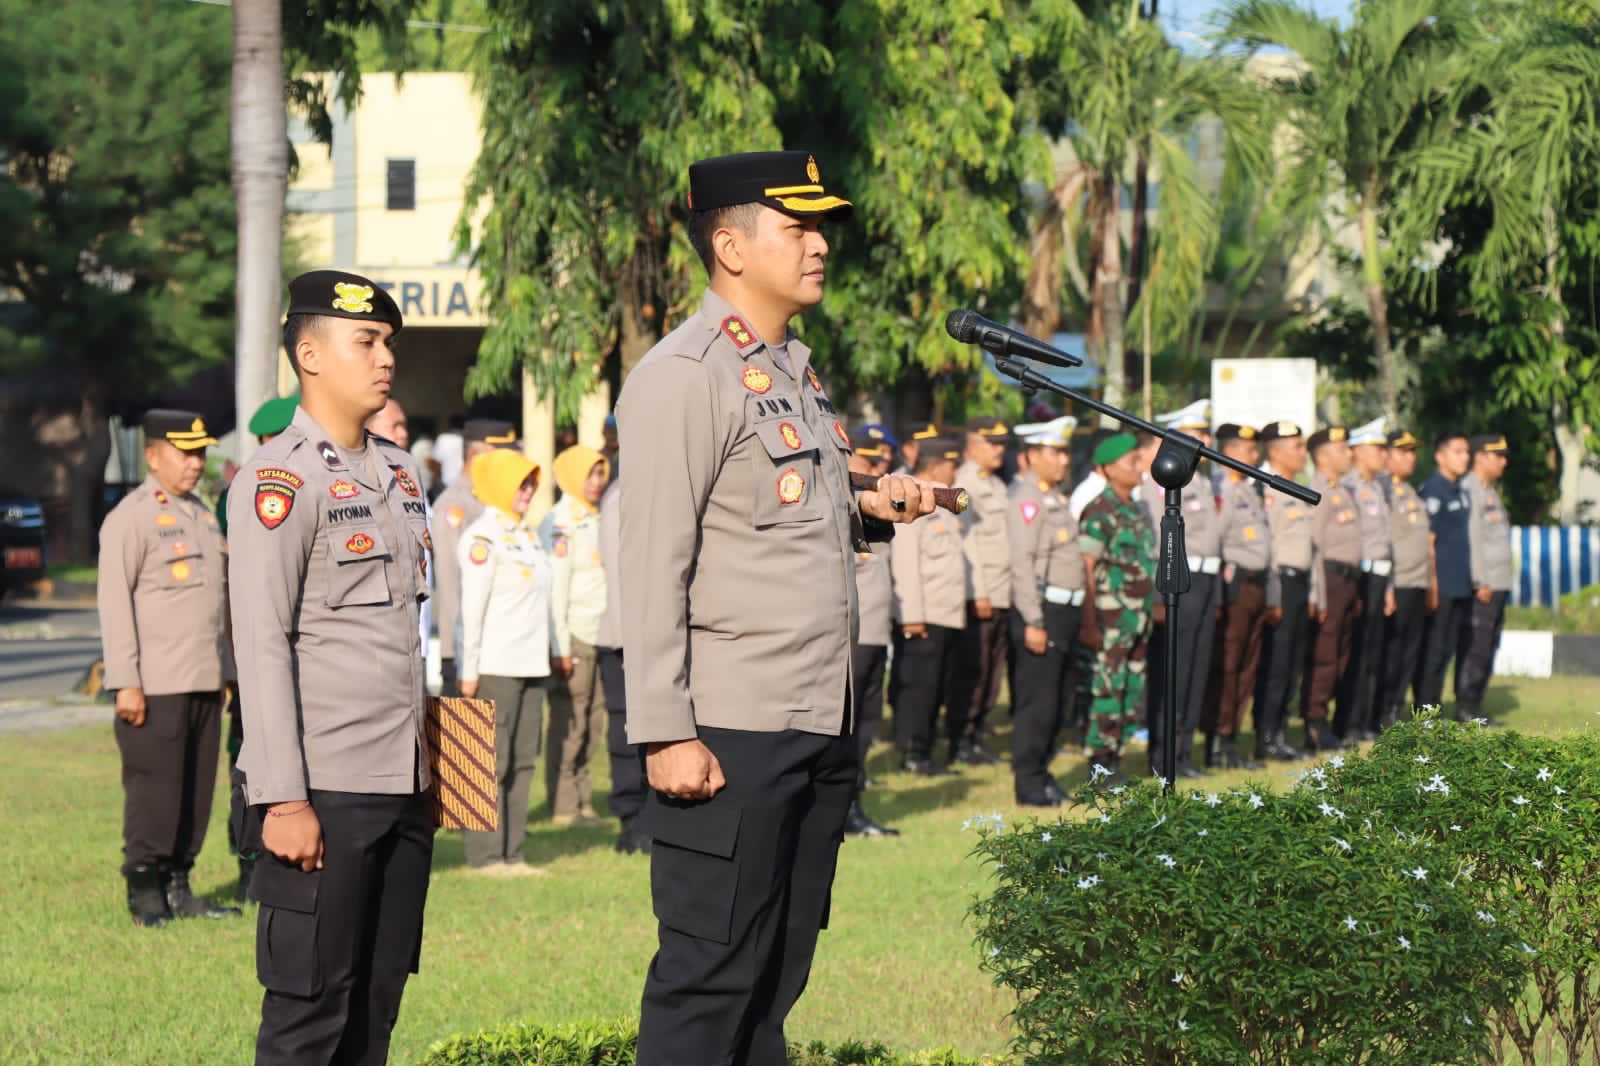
(984, 538)
(932, 576)
(1372, 510)
(454, 510)
(1044, 549)
(1290, 523)
(572, 536)
(739, 534)
(1410, 535)
(162, 595)
(1335, 533)
(327, 581)
(875, 592)
(1488, 536)
(1245, 533)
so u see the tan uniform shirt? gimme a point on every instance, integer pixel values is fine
(984, 538)
(1372, 512)
(1409, 534)
(571, 533)
(1243, 526)
(454, 510)
(610, 634)
(1335, 533)
(932, 577)
(162, 594)
(327, 579)
(875, 591)
(739, 534)
(1290, 522)
(1488, 535)
(1044, 547)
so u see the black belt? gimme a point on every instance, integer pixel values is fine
(1254, 577)
(1345, 570)
(1293, 573)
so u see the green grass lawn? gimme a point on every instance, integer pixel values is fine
(80, 984)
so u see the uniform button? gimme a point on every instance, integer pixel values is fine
(260, 792)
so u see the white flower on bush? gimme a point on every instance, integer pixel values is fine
(1538, 864)
(1559, 790)
(1177, 978)
(1485, 917)
(1167, 860)
(1507, 765)
(1086, 883)
(1337, 762)
(994, 952)
(1119, 790)
(1350, 923)
(1183, 1026)
(1202, 832)
(1045, 838)
(1455, 829)
(1330, 811)
(1544, 774)
(1105, 819)
(1528, 949)
(1162, 782)
(1405, 945)
(1160, 822)
(1418, 873)
(1520, 801)
(1344, 845)
(1256, 802)
(1438, 784)
(1097, 771)
(1213, 800)
(1423, 760)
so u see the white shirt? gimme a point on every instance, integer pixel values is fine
(1087, 490)
(505, 600)
(451, 454)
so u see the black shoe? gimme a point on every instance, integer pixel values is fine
(924, 768)
(631, 839)
(975, 754)
(1053, 791)
(1282, 750)
(1188, 772)
(858, 824)
(246, 868)
(1320, 738)
(1041, 799)
(146, 902)
(1234, 758)
(185, 904)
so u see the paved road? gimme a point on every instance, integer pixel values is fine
(44, 651)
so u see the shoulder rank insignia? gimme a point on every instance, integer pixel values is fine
(737, 332)
(811, 376)
(757, 380)
(360, 544)
(790, 435)
(407, 483)
(275, 489)
(161, 497)
(453, 515)
(791, 486)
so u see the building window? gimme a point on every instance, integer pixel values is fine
(402, 185)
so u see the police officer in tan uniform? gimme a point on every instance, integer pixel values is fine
(932, 588)
(455, 510)
(872, 450)
(1358, 693)
(739, 536)
(329, 532)
(1048, 588)
(1489, 545)
(162, 596)
(1287, 643)
(1416, 590)
(1248, 601)
(984, 646)
(1335, 576)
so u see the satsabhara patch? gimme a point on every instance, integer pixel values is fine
(757, 380)
(791, 486)
(407, 483)
(275, 489)
(343, 490)
(790, 435)
(360, 544)
(811, 376)
(330, 455)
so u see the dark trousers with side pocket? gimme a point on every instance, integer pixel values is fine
(1041, 704)
(169, 776)
(1403, 649)
(741, 885)
(920, 685)
(627, 760)
(334, 947)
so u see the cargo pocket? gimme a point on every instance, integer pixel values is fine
(356, 559)
(785, 473)
(694, 873)
(183, 566)
(286, 941)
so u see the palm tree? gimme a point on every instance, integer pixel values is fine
(1110, 81)
(1367, 106)
(260, 182)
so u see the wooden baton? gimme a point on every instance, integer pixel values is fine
(953, 500)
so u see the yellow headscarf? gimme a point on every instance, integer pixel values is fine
(572, 470)
(497, 475)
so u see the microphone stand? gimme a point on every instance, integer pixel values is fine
(1173, 468)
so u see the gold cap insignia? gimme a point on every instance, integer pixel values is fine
(811, 169)
(352, 299)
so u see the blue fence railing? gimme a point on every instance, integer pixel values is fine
(1552, 561)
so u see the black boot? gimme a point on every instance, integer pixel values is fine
(185, 904)
(1320, 738)
(145, 901)
(1282, 750)
(858, 824)
(1233, 759)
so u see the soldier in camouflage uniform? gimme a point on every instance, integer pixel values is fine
(1119, 550)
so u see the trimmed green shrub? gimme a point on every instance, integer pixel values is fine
(1239, 927)
(1515, 820)
(616, 1045)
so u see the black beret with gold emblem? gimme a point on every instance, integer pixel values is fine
(790, 182)
(1327, 435)
(184, 429)
(1234, 431)
(1283, 430)
(338, 294)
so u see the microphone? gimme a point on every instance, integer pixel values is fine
(969, 327)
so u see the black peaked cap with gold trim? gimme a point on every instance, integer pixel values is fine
(338, 294)
(493, 431)
(183, 429)
(790, 182)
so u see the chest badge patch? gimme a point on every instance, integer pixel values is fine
(1030, 511)
(166, 520)
(180, 571)
(1061, 536)
(811, 376)
(360, 544)
(791, 487)
(407, 483)
(1249, 532)
(343, 490)
(330, 455)
(478, 553)
(757, 380)
(790, 435)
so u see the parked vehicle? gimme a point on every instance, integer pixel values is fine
(22, 540)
